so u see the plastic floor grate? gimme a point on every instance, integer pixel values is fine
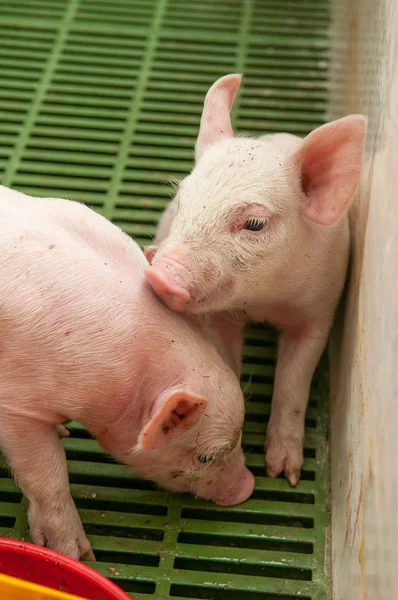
(100, 101)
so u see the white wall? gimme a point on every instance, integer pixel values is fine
(364, 345)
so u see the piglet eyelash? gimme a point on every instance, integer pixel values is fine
(204, 459)
(254, 224)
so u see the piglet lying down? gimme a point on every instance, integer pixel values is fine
(83, 337)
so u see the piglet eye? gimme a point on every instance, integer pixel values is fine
(254, 224)
(204, 459)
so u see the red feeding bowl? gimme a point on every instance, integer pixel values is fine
(45, 567)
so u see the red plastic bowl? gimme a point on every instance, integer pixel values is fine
(45, 567)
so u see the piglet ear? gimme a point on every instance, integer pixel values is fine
(330, 161)
(178, 411)
(215, 124)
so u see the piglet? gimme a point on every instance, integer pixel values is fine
(260, 228)
(84, 337)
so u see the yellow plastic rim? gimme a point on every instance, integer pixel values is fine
(12, 588)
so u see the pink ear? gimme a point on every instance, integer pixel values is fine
(215, 124)
(178, 412)
(330, 160)
(150, 252)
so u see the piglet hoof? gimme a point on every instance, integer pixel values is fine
(284, 457)
(62, 431)
(88, 554)
(59, 528)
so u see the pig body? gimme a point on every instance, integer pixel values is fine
(260, 230)
(84, 338)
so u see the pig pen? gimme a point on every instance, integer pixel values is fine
(100, 102)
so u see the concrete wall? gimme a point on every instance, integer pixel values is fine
(364, 344)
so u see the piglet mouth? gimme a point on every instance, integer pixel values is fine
(238, 495)
(212, 301)
(182, 291)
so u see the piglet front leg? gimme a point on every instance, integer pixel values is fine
(299, 352)
(38, 461)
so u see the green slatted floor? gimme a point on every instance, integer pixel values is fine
(100, 101)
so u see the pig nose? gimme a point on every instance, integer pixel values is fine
(243, 493)
(163, 278)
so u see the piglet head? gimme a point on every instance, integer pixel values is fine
(241, 216)
(191, 444)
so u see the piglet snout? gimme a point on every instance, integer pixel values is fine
(167, 279)
(239, 494)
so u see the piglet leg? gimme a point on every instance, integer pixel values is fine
(299, 353)
(38, 461)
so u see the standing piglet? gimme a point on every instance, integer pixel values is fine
(84, 337)
(260, 228)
